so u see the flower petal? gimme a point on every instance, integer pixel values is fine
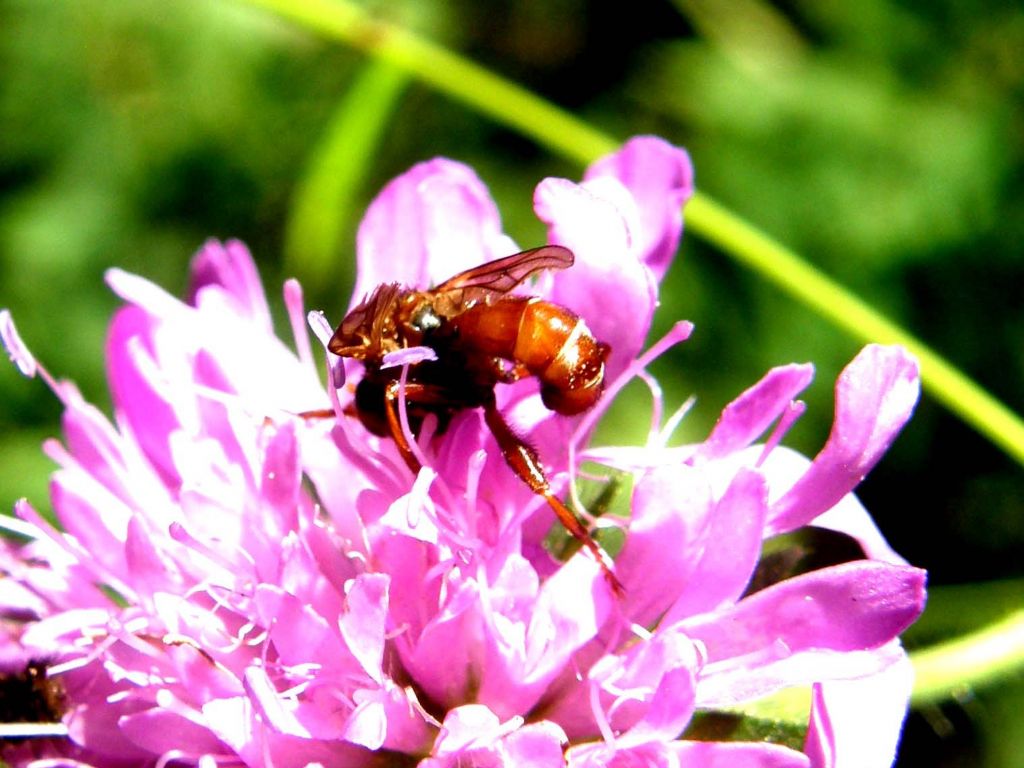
(536, 745)
(363, 623)
(15, 347)
(229, 267)
(784, 467)
(161, 730)
(672, 508)
(828, 624)
(712, 754)
(731, 547)
(847, 607)
(749, 415)
(875, 396)
(433, 221)
(606, 266)
(142, 399)
(686, 754)
(660, 178)
(660, 678)
(857, 723)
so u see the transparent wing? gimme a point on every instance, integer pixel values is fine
(360, 333)
(502, 275)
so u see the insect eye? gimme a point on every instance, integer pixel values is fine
(425, 319)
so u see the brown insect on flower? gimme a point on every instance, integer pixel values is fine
(29, 695)
(480, 335)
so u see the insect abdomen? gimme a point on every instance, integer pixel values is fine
(551, 342)
(572, 371)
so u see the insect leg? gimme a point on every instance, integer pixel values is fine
(523, 460)
(413, 392)
(319, 413)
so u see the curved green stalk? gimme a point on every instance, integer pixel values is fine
(325, 195)
(972, 660)
(564, 134)
(946, 383)
(463, 80)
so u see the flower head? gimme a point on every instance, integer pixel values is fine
(235, 582)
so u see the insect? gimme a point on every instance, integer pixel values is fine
(482, 335)
(30, 696)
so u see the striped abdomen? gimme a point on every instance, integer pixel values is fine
(549, 341)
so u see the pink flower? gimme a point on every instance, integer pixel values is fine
(235, 583)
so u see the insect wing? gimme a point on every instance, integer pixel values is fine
(363, 325)
(502, 275)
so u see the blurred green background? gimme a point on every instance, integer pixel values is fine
(882, 140)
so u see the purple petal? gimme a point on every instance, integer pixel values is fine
(573, 604)
(608, 286)
(732, 545)
(850, 517)
(95, 726)
(669, 710)
(149, 567)
(202, 678)
(671, 511)
(294, 304)
(162, 731)
(247, 730)
(465, 726)
(299, 633)
(749, 415)
(229, 267)
(409, 728)
(97, 520)
(609, 755)
(141, 401)
(784, 466)
(280, 480)
(363, 623)
(686, 754)
(536, 745)
(99, 451)
(473, 735)
(413, 514)
(425, 226)
(875, 396)
(367, 725)
(503, 639)
(789, 633)
(660, 677)
(660, 178)
(857, 723)
(443, 656)
(71, 578)
(15, 347)
(274, 709)
(711, 754)
(848, 607)
(649, 688)
(142, 293)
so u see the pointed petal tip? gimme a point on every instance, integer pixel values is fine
(16, 349)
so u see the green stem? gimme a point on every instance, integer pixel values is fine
(484, 91)
(946, 383)
(325, 196)
(973, 660)
(564, 134)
